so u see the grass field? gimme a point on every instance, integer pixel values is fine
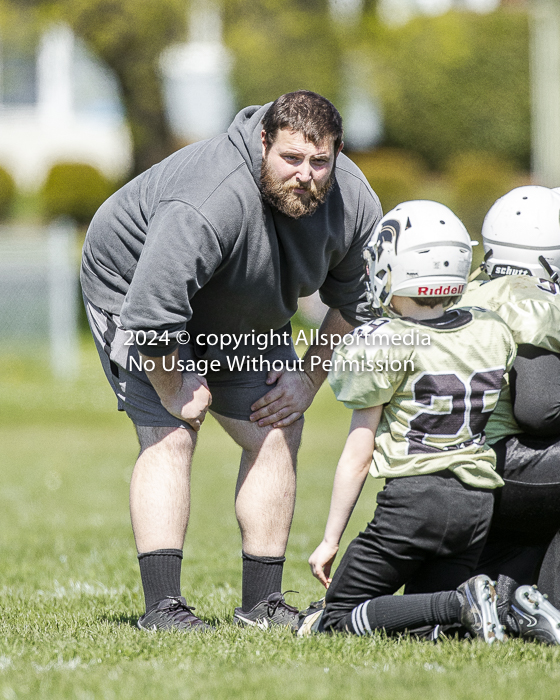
(69, 584)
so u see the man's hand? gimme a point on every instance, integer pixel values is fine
(283, 405)
(184, 394)
(191, 402)
(295, 391)
(321, 562)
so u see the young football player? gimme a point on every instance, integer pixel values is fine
(422, 384)
(521, 236)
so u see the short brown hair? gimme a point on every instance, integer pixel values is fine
(307, 113)
(432, 302)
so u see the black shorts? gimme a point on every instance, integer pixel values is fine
(233, 392)
(526, 516)
(529, 503)
(427, 534)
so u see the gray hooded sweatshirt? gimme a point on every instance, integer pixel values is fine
(191, 244)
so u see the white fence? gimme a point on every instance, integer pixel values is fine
(39, 293)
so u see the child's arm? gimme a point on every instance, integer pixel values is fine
(349, 479)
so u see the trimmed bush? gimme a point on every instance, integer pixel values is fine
(395, 175)
(7, 193)
(76, 190)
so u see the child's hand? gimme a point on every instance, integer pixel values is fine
(321, 562)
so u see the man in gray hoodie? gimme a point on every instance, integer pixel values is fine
(191, 274)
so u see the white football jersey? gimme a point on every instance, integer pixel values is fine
(438, 391)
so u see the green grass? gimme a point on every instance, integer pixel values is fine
(69, 585)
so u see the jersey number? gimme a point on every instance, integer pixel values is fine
(466, 407)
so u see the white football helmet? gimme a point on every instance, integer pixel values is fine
(521, 227)
(419, 249)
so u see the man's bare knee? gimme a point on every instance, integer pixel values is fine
(173, 439)
(276, 442)
(251, 437)
(292, 433)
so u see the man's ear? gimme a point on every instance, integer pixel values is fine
(339, 149)
(264, 143)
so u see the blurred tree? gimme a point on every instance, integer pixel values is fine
(129, 35)
(281, 46)
(447, 84)
(7, 193)
(455, 83)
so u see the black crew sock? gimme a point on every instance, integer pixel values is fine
(261, 577)
(161, 574)
(404, 612)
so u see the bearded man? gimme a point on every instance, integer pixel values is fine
(184, 272)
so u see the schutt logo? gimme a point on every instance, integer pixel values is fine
(510, 270)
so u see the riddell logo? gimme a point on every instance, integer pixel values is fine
(510, 270)
(441, 291)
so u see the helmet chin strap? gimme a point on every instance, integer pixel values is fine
(388, 310)
(391, 312)
(481, 268)
(553, 275)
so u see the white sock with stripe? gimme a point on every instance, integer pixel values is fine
(360, 622)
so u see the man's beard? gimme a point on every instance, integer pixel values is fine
(282, 196)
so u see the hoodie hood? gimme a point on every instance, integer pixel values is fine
(245, 134)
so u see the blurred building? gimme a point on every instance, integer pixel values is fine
(59, 103)
(400, 11)
(363, 127)
(198, 95)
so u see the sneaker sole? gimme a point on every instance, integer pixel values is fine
(486, 599)
(146, 629)
(183, 630)
(261, 623)
(533, 605)
(310, 624)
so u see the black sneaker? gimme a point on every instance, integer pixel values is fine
(479, 613)
(535, 618)
(272, 611)
(172, 613)
(310, 619)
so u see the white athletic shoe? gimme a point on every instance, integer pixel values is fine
(310, 619)
(479, 613)
(535, 616)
